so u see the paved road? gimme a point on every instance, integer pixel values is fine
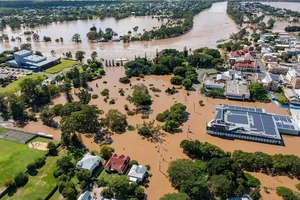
(260, 64)
(201, 74)
(52, 76)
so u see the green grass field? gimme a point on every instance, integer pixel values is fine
(14, 157)
(40, 185)
(14, 86)
(58, 68)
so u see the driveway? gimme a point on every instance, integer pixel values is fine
(201, 74)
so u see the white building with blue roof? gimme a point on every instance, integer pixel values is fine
(88, 162)
(25, 59)
(137, 173)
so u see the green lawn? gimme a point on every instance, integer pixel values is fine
(2, 130)
(107, 177)
(41, 139)
(40, 185)
(14, 157)
(59, 67)
(14, 86)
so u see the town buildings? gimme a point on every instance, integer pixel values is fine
(253, 124)
(25, 59)
(237, 90)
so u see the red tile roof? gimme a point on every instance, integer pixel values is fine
(245, 64)
(117, 163)
(237, 53)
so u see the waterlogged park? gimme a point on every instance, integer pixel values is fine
(195, 114)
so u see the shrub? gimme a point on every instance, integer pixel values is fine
(142, 76)
(133, 162)
(104, 82)
(298, 186)
(161, 117)
(102, 182)
(94, 96)
(145, 116)
(148, 167)
(31, 167)
(21, 179)
(105, 92)
(252, 181)
(130, 113)
(40, 162)
(176, 80)
(286, 193)
(124, 80)
(126, 107)
(130, 128)
(201, 102)
(101, 72)
(112, 101)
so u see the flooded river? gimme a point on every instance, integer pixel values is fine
(209, 26)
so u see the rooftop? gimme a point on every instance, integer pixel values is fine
(253, 121)
(117, 163)
(22, 52)
(137, 171)
(245, 63)
(237, 87)
(88, 162)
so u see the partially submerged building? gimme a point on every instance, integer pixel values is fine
(253, 124)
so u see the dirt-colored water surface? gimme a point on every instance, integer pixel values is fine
(147, 152)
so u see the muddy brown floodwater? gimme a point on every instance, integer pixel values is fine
(209, 26)
(146, 152)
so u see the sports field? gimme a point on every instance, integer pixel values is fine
(59, 67)
(14, 86)
(40, 185)
(14, 157)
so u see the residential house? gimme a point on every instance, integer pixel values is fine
(88, 162)
(292, 96)
(293, 76)
(137, 173)
(270, 81)
(276, 68)
(237, 90)
(85, 196)
(117, 163)
(270, 58)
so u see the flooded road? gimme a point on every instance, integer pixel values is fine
(209, 26)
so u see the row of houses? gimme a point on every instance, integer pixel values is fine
(116, 163)
(232, 81)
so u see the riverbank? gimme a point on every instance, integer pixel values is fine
(205, 32)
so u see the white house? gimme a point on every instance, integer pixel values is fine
(85, 196)
(137, 173)
(88, 162)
